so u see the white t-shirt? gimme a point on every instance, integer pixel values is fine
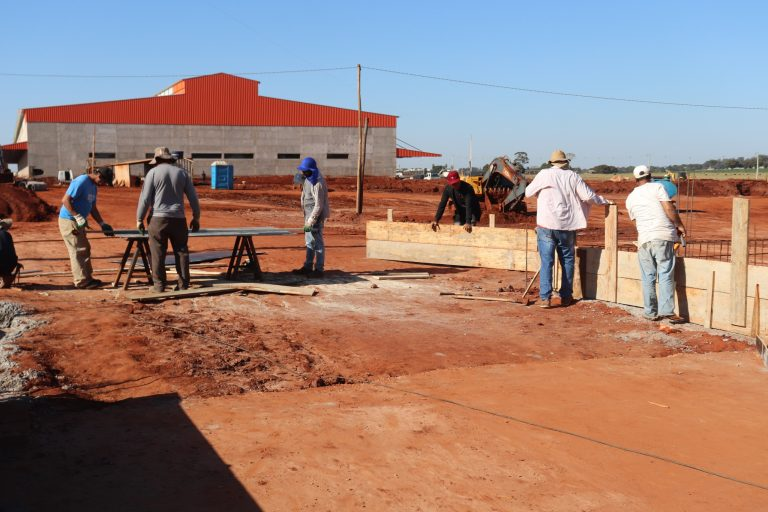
(645, 208)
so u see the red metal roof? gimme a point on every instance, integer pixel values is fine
(210, 100)
(410, 153)
(18, 146)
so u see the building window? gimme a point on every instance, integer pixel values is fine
(235, 156)
(101, 155)
(288, 156)
(206, 156)
(337, 156)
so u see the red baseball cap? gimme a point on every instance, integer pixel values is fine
(453, 177)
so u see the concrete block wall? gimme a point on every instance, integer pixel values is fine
(54, 146)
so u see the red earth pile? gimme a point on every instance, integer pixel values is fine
(23, 205)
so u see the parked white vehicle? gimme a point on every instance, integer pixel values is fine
(431, 176)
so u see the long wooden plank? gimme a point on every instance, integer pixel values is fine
(268, 288)
(472, 297)
(451, 255)
(401, 276)
(497, 238)
(182, 294)
(739, 260)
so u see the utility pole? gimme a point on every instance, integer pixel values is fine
(360, 156)
(757, 166)
(470, 155)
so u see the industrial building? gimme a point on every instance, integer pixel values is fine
(205, 118)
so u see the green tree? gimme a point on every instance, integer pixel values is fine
(521, 158)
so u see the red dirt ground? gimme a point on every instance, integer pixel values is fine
(372, 394)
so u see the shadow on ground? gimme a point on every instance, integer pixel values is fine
(66, 453)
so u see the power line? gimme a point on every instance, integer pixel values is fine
(177, 75)
(569, 94)
(407, 144)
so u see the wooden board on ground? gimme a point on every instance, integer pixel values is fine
(267, 288)
(182, 294)
(472, 297)
(402, 276)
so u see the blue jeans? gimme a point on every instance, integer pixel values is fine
(315, 248)
(551, 241)
(657, 258)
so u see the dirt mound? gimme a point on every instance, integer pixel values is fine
(23, 205)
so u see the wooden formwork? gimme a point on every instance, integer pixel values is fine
(720, 295)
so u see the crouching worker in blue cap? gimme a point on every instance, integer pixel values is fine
(314, 202)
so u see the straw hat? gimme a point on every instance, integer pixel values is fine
(163, 154)
(558, 157)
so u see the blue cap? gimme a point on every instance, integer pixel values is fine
(308, 164)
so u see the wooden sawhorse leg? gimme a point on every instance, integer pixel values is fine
(123, 260)
(142, 249)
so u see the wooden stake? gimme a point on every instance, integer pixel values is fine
(390, 216)
(491, 220)
(612, 250)
(739, 261)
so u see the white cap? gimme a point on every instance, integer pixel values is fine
(641, 171)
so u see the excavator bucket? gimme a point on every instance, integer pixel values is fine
(504, 187)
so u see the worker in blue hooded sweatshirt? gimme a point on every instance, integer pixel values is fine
(314, 202)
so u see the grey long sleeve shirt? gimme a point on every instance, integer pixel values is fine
(164, 190)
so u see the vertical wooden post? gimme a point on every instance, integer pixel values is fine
(390, 217)
(739, 261)
(578, 292)
(491, 220)
(359, 198)
(361, 176)
(710, 302)
(612, 251)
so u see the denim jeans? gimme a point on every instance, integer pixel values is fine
(657, 258)
(551, 241)
(315, 248)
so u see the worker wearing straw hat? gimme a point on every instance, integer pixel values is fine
(562, 206)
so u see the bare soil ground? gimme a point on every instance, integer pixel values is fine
(372, 394)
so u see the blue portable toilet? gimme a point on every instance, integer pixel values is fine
(222, 175)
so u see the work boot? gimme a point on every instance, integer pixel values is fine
(673, 319)
(566, 301)
(94, 283)
(303, 271)
(545, 303)
(158, 288)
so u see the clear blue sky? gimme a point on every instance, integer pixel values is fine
(686, 51)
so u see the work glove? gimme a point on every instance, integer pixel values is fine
(80, 221)
(435, 226)
(307, 229)
(194, 226)
(107, 229)
(467, 227)
(140, 226)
